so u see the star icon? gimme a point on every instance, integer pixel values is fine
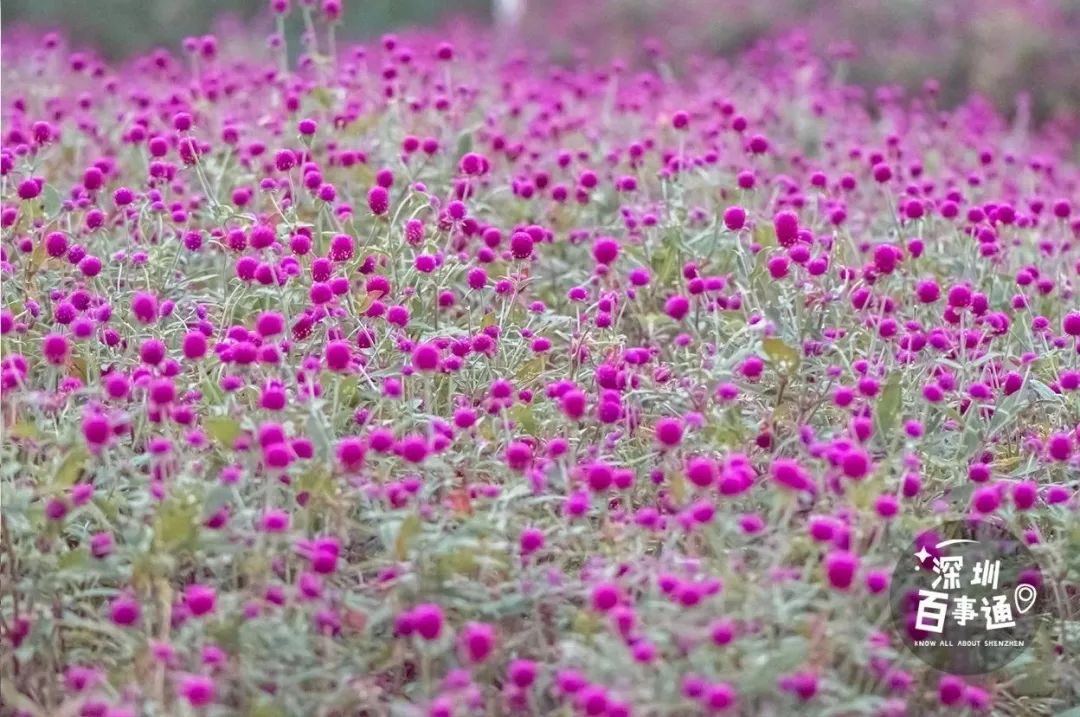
(922, 555)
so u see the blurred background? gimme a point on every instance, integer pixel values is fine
(117, 28)
(997, 48)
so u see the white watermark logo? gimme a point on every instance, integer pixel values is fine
(966, 597)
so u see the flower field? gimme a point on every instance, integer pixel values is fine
(433, 377)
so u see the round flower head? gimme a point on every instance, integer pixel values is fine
(518, 455)
(521, 673)
(677, 307)
(605, 250)
(786, 226)
(350, 453)
(734, 218)
(428, 620)
(425, 357)
(199, 599)
(669, 431)
(1071, 324)
(96, 429)
(789, 474)
(378, 200)
(531, 540)
(701, 471)
(338, 355)
(719, 696)
(144, 307)
(1024, 494)
(604, 597)
(521, 245)
(803, 685)
(950, 690)
(477, 641)
(840, 568)
(198, 690)
(124, 611)
(1060, 447)
(55, 349)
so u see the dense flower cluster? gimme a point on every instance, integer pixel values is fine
(427, 377)
(990, 47)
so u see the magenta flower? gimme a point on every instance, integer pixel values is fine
(840, 569)
(378, 200)
(428, 620)
(198, 690)
(532, 374)
(477, 640)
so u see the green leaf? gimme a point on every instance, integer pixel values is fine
(530, 369)
(350, 391)
(409, 529)
(677, 484)
(464, 145)
(1045, 392)
(323, 96)
(16, 700)
(37, 258)
(1005, 411)
(888, 405)
(176, 526)
(255, 567)
(586, 623)
(219, 496)
(785, 358)
(770, 661)
(972, 441)
(24, 429)
(1036, 681)
(212, 395)
(317, 431)
(78, 365)
(266, 709)
(366, 299)
(765, 235)
(458, 562)
(523, 416)
(666, 262)
(76, 558)
(223, 430)
(316, 482)
(51, 200)
(71, 467)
